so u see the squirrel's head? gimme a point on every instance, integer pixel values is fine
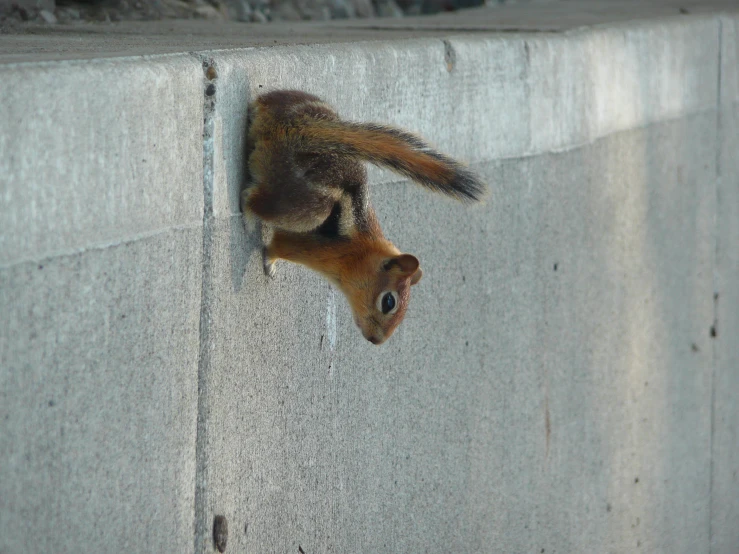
(379, 301)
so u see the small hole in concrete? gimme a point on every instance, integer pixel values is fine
(450, 56)
(220, 532)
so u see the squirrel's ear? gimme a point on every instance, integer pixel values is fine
(405, 265)
(417, 276)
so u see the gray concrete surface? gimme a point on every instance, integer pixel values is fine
(97, 153)
(98, 397)
(554, 388)
(469, 430)
(101, 206)
(725, 490)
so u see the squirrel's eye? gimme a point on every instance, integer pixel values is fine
(388, 303)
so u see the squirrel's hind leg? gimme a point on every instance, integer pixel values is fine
(294, 211)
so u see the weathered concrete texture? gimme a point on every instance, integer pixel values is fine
(580, 423)
(98, 398)
(613, 244)
(98, 152)
(541, 92)
(725, 506)
(101, 203)
(551, 385)
(550, 390)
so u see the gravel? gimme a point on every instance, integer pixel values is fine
(254, 11)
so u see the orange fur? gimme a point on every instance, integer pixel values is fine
(378, 146)
(309, 183)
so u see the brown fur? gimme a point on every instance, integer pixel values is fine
(377, 147)
(308, 181)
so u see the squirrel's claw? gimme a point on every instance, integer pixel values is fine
(269, 265)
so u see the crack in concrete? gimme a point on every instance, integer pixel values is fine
(95, 246)
(200, 508)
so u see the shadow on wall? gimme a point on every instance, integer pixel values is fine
(246, 234)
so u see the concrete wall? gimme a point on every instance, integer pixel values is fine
(554, 388)
(100, 283)
(725, 490)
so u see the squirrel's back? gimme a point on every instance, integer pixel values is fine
(311, 127)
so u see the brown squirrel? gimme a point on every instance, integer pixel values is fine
(309, 183)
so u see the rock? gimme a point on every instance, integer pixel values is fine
(48, 17)
(388, 8)
(363, 8)
(258, 16)
(436, 6)
(208, 12)
(410, 7)
(287, 12)
(268, 4)
(341, 9)
(22, 12)
(240, 10)
(311, 10)
(31, 5)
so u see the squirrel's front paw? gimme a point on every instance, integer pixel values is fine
(245, 192)
(269, 265)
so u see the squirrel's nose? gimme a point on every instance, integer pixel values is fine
(374, 340)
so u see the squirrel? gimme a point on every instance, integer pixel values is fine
(309, 184)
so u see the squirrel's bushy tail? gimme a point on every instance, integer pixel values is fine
(395, 149)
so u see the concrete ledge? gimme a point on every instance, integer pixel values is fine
(554, 387)
(485, 98)
(98, 152)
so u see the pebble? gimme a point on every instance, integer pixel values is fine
(287, 12)
(22, 12)
(342, 10)
(48, 17)
(241, 10)
(388, 8)
(256, 11)
(363, 8)
(258, 16)
(208, 12)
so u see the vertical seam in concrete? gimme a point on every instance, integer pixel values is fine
(716, 238)
(200, 524)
